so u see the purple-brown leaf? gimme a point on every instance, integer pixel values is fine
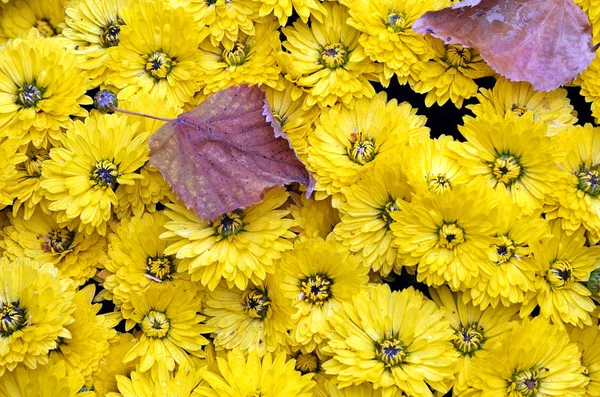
(545, 42)
(222, 155)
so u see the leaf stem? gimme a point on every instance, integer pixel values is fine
(116, 109)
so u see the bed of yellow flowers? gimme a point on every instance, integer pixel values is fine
(111, 286)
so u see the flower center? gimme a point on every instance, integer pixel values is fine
(524, 383)
(105, 174)
(159, 267)
(228, 224)
(33, 165)
(390, 352)
(450, 235)
(468, 339)
(506, 169)
(58, 241)
(110, 34)
(518, 110)
(308, 363)
(438, 184)
(45, 27)
(316, 289)
(334, 55)
(504, 249)
(155, 325)
(560, 274)
(395, 21)
(386, 214)
(457, 56)
(589, 180)
(159, 65)
(256, 303)
(237, 55)
(12, 318)
(29, 95)
(362, 150)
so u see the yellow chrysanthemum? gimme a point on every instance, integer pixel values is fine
(223, 19)
(429, 167)
(11, 161)
(592, 10)
(577, 194)
(590, 85)
(253, 320)
(386, 33)
(35, 308)
(552, 108)
(243, 60)
(49, 380)
(366, 217)
(317, 277)
(76, 255)
(392, 340)
(348, 142)
(565, 265)
(97, 155)
(240, 246)
(476, 331)
(91, 27)
(447, 235)
(283, 9)
(534, 359)
(104, 377)
(363, 390)
(90, 335)
(242, 376)
(22, 15)
(449, 74)
(40, 88)
(314, 218)
(312, 363)
(158, 53)
(170, 327)
(588, 341)
(326, 60)
(511, 153)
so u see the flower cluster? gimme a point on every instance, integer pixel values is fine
(110, 286)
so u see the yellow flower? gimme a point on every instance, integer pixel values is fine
(588, 341)
(317, 277)
(363, 390)
(326, 60)
(35, 308)
(240, 246)
(314, 218)
(76, 255)
(283, 9)
(511, 153)
(348, 142)
(392, 340)
(242, 376)
(40, 88)
(565, 265)
(253, 320)
(97, 156)
(104, 377)
(386, 32)
(45, 16)
(590, 86)
(534, 359)
(170, 328)
(179, 383)
(366, 217)
(592, 9)
(552, 108)
(449, 74)
(242, 60)
(447, 235)
(158, 53)
(11, 161)
(476, 331)
(91, 28)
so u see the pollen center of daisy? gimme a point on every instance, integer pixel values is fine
(12, 318)
(110, 34)
(105, 174)
(256, 303)
(159, 65)
(45, 27)
(155, 324)
(518, 110)
(395, 21)
(468, 339)
(307, 363)
(386, 214)
(438, 184)
(390, 352)
(524, 383)
(29, 95)
(33, 165)
(362, 150)
(58, 241)
(457, 56)
(160, 267)
(589, 180)
(504, 249)
(316, 289)
(560, 274)
(334, 55)
(237, 55)
(450, 235)
(506, 169)
(228, 224)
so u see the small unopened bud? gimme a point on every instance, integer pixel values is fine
(105, 101)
